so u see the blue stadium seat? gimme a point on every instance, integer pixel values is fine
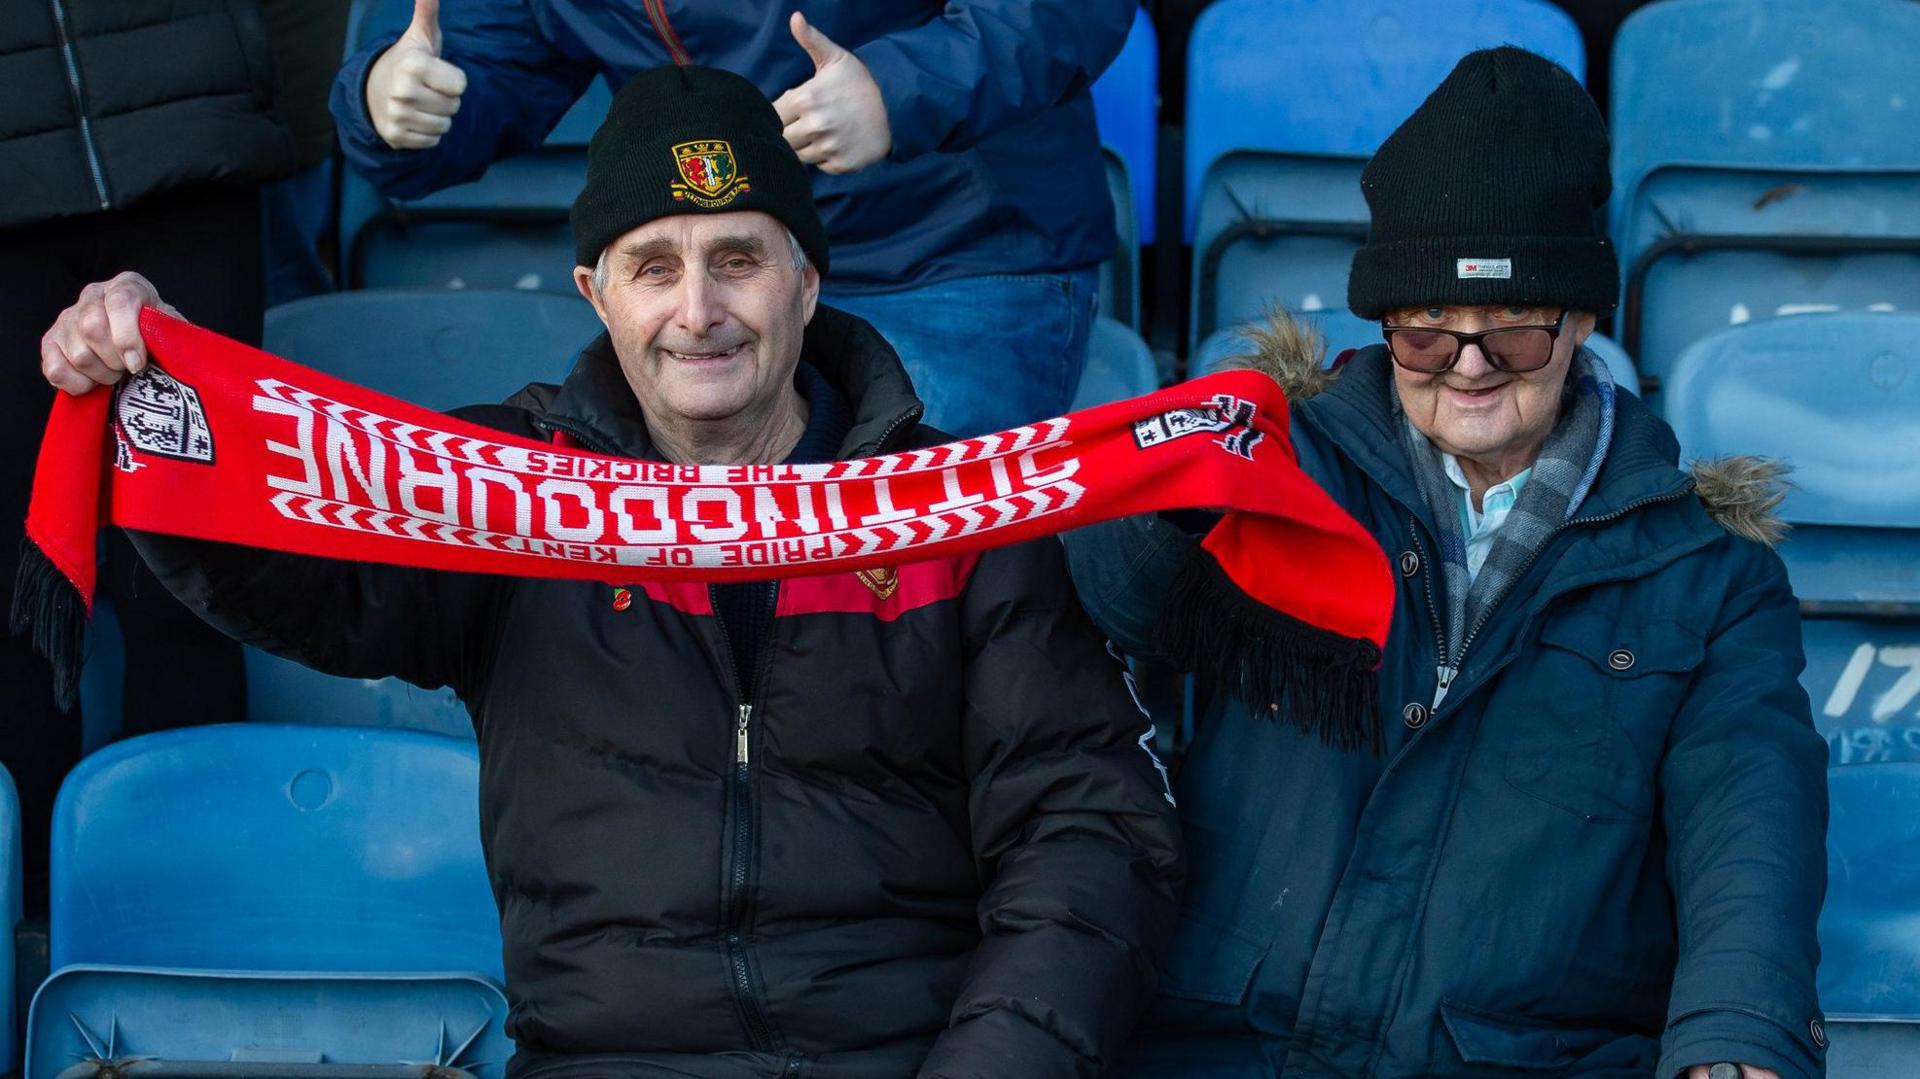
(1119, 365)
(1120, 277)
(1837, 398)
(231, 877)
(1338, 327)
(1119, 297)
(436, 349)
(1869, 937)
(507, 229)
(440, 350)
(1286, 99)
(1126, 107)
(10, 906)
(1766, 161)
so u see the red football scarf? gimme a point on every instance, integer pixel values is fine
(1288, 595)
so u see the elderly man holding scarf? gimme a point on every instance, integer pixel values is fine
(1590, 840)
(896, 822)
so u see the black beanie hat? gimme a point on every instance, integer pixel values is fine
(690, 140)
(1487, 194)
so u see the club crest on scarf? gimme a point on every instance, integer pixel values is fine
(712, 176)
(1230, 417)
(158, 414)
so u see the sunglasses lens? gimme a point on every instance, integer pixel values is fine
(1423, 350)
(1519, 349)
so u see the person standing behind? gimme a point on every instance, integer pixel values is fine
(133, 136)
(957, 166)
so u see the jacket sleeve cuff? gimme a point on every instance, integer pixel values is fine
(915, 120)
(365, 150)
(1739, 1037)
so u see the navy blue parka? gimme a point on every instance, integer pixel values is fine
(1601, 854)
(995, 166)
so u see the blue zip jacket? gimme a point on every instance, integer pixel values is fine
(995, 167)
(1601, 855)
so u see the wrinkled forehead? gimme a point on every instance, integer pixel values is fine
(693, 236)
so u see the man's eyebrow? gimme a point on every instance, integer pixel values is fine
(750, 245)
(642, 250)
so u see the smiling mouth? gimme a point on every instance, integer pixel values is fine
(1480, 392)
(705, 357)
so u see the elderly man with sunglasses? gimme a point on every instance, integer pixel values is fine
(1588, 839)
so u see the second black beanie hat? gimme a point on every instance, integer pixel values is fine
(690, 140)
(1487, 195)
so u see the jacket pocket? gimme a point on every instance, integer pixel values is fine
(1594, 684)
(1490, 1039)
(1210, 962)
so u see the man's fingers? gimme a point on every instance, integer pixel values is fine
(123, 306)
(788, 106)
(80, 357)
(91, 339)
(407, 140)
(817, 152)
(802, 132)
(415, 122)
(442, 77)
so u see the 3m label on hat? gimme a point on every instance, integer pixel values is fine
(1502, 268)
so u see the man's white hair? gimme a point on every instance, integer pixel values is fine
(798, 253)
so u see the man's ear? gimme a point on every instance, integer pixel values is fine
(583, 280)
(809, 293)
(1580, 325)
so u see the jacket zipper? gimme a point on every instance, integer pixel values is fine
(80, 104)
(657, 13)
(1446, 673)
(1460, 658)
(740, 798)
(740, 860)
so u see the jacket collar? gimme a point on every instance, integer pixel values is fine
(596, 406)
(1356, 414)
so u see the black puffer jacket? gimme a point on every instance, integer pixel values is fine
(948, 835)
(109, 101)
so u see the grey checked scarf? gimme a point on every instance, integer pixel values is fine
(1564, 473)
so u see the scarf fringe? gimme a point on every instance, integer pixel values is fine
(49, 608)
(1316, 680)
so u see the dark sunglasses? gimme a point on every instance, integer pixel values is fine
(1512, 349)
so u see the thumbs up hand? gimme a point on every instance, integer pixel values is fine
(836, 119)
(412, 94)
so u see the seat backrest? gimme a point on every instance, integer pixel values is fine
(1336, 77)
(1120, 275)
(1119, 365)
(282, 691)
(1869, 937)
(1817, 83)
(1709, 247)
(438, 349)
(1835, 396)
(1274, 229)
(1863, 680)
(266, 847)
(1126, 106)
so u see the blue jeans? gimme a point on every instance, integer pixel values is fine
(991, 352)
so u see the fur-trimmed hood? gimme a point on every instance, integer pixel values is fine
(1739, 493)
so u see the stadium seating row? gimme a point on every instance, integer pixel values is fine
(312, 902)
